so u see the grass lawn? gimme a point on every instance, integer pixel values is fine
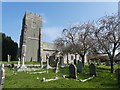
(15, 62)
(104, 79)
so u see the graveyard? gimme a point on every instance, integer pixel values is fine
(86, 55)
(30, 79)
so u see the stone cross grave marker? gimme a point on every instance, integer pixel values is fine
(92, 69)
(72, 71)
(79, 67)
(23, 54)
(23, 67)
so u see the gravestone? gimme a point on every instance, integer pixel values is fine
(41, 63)
(18, 64)
(107, 63)
(2, 75)
(79, 67)
(52, 61)
(12, 65)
(72, 71)
(75, 61)
(92, 69)
(57, 60)
(57, 66)
(118, 76)
(61, 61)
(47, 62)
(8, 57)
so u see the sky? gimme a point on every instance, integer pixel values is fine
(60, 0)
(55, 16)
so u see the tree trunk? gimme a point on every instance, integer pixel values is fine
(82, 60)
(112, 67)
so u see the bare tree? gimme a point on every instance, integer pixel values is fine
(80, 38)
(59, 44)
(108, 36)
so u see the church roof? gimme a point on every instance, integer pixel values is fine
(48, 46)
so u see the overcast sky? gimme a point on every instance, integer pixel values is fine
(56, 16)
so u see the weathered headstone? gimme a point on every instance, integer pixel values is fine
(8, 57)
(52, 61)
(41, 63)
(57, 60)
(72, 71)
(118, 76)
(61, 61)
(18, 64)
(107, 63)
(79, 67)
(2, 75)
(57, 67)
(92, 69)
(47, 61)
(12, 65)
(75, 61)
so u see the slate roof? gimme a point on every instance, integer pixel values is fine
(48, 46)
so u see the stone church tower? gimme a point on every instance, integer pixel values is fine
(31, 37)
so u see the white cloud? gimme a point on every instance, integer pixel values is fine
(49, 34)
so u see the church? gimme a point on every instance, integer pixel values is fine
(31, 36)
